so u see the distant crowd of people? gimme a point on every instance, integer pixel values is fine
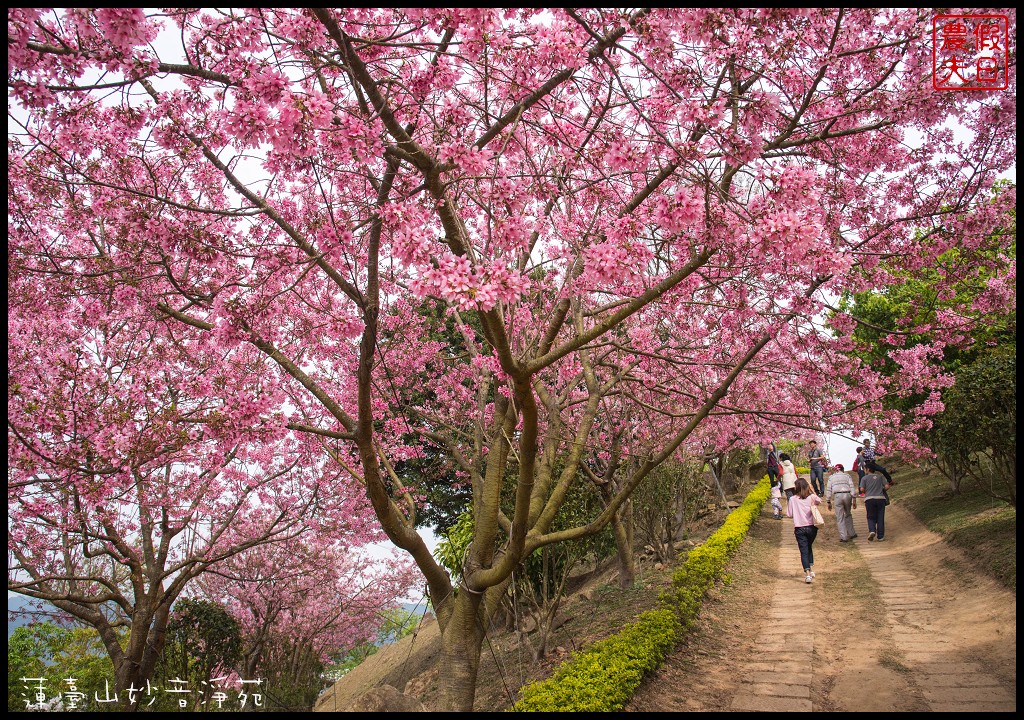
(804, 495)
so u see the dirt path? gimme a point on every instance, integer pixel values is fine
(904, 625)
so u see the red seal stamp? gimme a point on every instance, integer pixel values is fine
(970, 52)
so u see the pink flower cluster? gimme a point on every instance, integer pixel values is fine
(470, 288)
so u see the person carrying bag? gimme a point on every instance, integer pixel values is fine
(801, 507)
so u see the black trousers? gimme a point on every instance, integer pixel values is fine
(875, 467)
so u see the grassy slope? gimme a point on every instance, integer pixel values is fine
(971, 521)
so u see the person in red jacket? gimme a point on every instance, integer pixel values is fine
(858, 465)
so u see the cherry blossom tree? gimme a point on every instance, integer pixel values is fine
(634, 219)
(127, 479)
(300, 603)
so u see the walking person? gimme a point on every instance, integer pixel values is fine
(858, 464)
(799, 508)
(772, 461)
(873, 487)
(776, 497)
(869, 458)
(840, 494)
(788, 475)
(818, 461)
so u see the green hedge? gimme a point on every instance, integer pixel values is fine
(604, 677)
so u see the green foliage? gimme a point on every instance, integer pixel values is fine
(950, 287)
(796, 449)
(917, 301)
(975, 436)
(664, 484)
(543, 569)
(30, 650)
(666, 501)
(85, 658)
(207, 629)
(433, 474)
(979, 423)
(451, 550)
(706, 563)
(605, 676)
(46, 650)
(202, 637)
(739, 459)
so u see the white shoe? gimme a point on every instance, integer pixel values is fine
(871, 536)
(809, 578)
(812, 574)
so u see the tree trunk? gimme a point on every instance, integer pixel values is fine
(624, 548)
(461, 640)
(155, 642)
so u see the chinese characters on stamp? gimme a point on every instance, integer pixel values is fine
(970, 52)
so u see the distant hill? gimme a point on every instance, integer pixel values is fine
(16, 617)
(415, 608)
(17, 607)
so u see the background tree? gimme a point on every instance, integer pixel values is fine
(299, 604)
(30, 651)
(542, 582)
(957, 294)
(975, 436)
(203, 642)
(73, 663)
(668, 503)
(128, 477)
(643, 207)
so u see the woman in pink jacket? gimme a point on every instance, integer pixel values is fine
(799, 508)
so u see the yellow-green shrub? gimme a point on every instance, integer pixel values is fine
(604, 677)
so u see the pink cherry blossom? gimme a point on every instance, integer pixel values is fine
(542, 243)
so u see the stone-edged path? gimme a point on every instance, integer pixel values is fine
(788, 650)
(903, 625)
(935, 658)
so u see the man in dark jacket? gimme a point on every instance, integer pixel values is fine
(818, 462)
